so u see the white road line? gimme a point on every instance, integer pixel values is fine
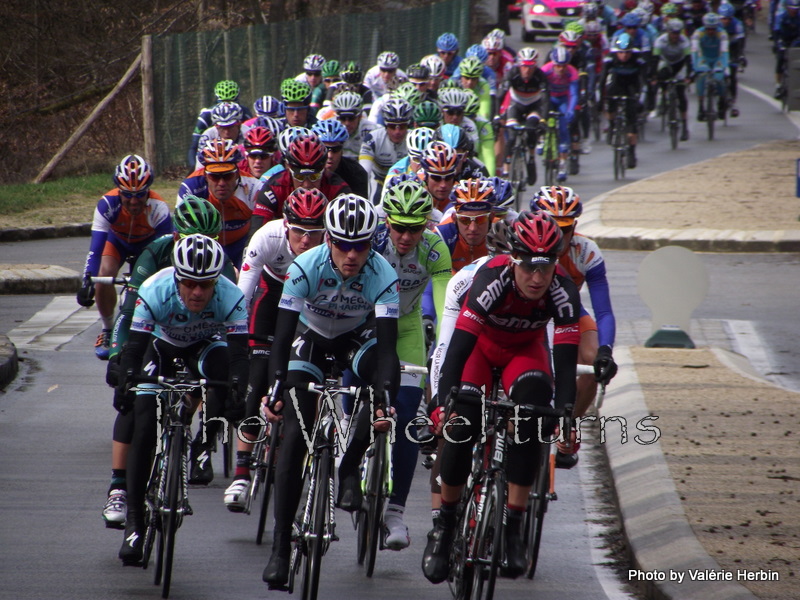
(794, 117)
(53, 326)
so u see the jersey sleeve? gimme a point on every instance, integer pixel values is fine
(387, 297)
(564, 304)
(296, 288)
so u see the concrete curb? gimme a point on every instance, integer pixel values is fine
(38, 279)
(9, 362)
(659, 537)
(21, 234)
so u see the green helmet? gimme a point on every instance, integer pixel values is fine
(226, 90)
(330, 69)
(428, 114)
(409, 92)
(471, 67)
(669, 9)
(575, 26)
(408, 203)
(294, 91)
(473, 103)
(195, 215)
(449, 83)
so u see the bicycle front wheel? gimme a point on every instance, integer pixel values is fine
(488, 547)
(375, 497)
(537, 507)
(460, 579)
(172, 504)
(315, 541)
(269, 479)
(711, 110)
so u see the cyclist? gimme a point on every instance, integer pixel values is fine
(634, 25)
(266, 107)
(418, 256)
(224, 91)
(420, 76)
(499, 60)
(260, 147)
(342, 299)
(464, 229)
(693, 16)
(348, 107)
(453, 102)
(447, 49)
(384, 146)
(470, 74)
(334, 135)
(673, 51)
(306, 158)
(485, 131)
(385, 75)
(436, 66)
(312, 75)
(232, 193)
(524, 104)
(623, 75)
(186, 311)
(502, 324)
(710, 55)
(405, 91)
(126, 219)
(270, 252)
(736, 41)
(582, 260)
(296, 97)
(562, 85)
(438, 166)
(353, 76)
(416, 142)
(786, 34)
(227, 118)
(457, 137)
(194, 215)
(330, 80)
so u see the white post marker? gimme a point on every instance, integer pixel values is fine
(672, 282)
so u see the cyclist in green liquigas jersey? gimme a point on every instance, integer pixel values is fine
(193, 215)
(485, 146)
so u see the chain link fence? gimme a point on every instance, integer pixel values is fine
(186, 66)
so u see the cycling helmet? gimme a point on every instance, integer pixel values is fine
(398, 179)
(674, 26)
(396, 110)
(418, 139)
(589, 12)
(560, 55)
(288, 135)
(427, 114)
(646, 7)
(471, 67)
(576, 27)
(276, 126)
(313, 63)
(408, 92)
(592, 28)
(498, 239)
(196, 215)
(670, 9)
(644, 16)
(454, 136)
(352, 218)
(726, 11)
(527, 57)
(331, 131)
(220, 155)
(226, 113)
(503, 195)
(473, 103)
(435, 65)
(453, 98)
(388, 61)
(439, 158)
(478, 52)
(492, 44)
(351, 73)
(330, 69)
(419, 72)
(305, 207)
(630, 19)
(536, 233)
(268, 106)
(711, 20)
(559, 201)
(261, 138)
(791, 4)
(447, 42)
(569, 38)
(498, 34)
(408, 203)
(449, 83)
(307, 152)
(624, 43)
(197, 257)
(473, 195)
(133, 174)
(295, 91)
(347, 103)
(226, 90)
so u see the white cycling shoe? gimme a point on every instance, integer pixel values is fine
(236, 495)
(116, 509)
(396, 532)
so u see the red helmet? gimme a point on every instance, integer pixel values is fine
(305, 207)
(260, 137)
(536, 233)
(307, 152)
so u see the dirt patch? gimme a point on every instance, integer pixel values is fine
(753, 189)
(732, 445)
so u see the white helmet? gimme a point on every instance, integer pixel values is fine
(351, 218)
(435, 64)
(197, 257)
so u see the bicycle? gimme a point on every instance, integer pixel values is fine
(670, 114)
(550, 156)
(618, 136)
(518, 157)
(479, 544)
(712, 99)
(166, 496)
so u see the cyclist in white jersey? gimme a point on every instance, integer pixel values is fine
(384, 146)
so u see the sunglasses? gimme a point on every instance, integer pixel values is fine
(397, 126)
(334, 149)
(295, 108)
(229, 176)
(140, 194)
(401, 229)
(544, 268)
(454, 111)
(348, 117)
(447, 52)
(438, 178)
(346, 246)
(480, 219)
(258, 153)
(303, 232)
(297, 176)
(330, 80)
(206, 284)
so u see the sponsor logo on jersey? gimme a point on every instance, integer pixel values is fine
(329, 282)
(472, 316)
(494, 290)
(181, 318)
(206, 314)
(252, 253)
(567, 329)
(560, 297)
(296, 280)
(246, 267)
(517, 323)
(434, 255)
(359, 287)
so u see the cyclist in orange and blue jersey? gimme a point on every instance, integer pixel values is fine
(464, 230)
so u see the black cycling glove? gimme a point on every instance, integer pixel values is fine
(86, 293)
(604, 366)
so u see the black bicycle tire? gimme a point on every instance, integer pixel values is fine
(375, 494)
(170, 524)
(711, 113)
(499, 493)
(159, 566)
(536, 509)
(151, 513)
(488, 527)
(227, 449)
(516, 169)
(461, 571)
(315, 542)
(269, 481)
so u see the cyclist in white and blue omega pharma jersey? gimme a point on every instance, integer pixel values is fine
(189, 312)
(342, 297)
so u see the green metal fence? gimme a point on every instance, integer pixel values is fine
(186, 66)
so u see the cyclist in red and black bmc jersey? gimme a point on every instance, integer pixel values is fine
(502, 325)
(305, 160)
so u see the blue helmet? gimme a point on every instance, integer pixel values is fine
(503, 194)
(479, 51)
(560, 55)
(447, 42)
(623, 43)
(269, 106)
(226, 113)
(630, 19)
(454, 136)
(726, 11)
(274, 125)
(331, 131)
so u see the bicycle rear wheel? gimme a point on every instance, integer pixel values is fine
(488, 547)
(172, 503)
(711, 110)
(315, 541)
(517, 170)
(269, 479)
(375, 497)
(537, 507)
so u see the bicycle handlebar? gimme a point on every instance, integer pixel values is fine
(177, 382)
(414, 369)
(530, 410)
(110, 280)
